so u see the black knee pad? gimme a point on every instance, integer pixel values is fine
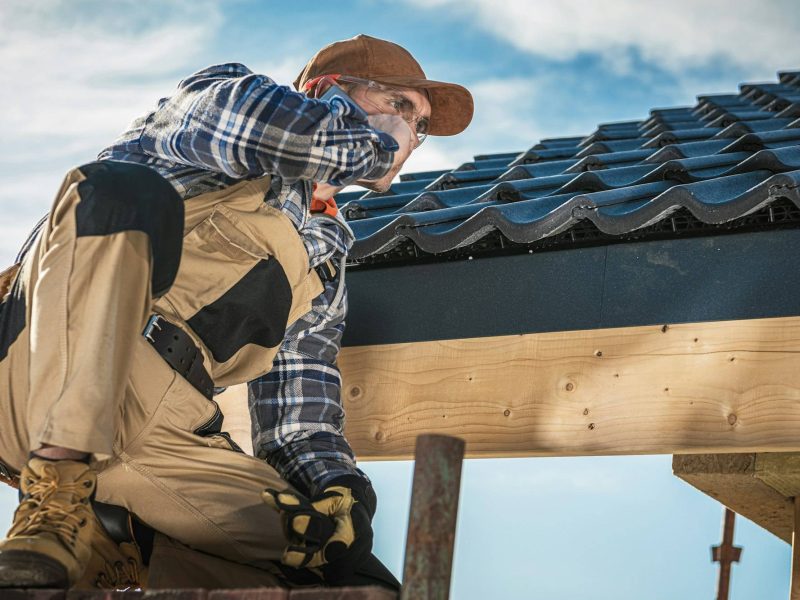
(118, 196)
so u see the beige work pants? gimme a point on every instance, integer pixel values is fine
(76, 372)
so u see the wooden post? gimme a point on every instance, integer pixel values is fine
(794, 592)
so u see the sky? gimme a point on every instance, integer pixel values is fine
(74, 73)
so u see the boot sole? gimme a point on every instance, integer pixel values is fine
(25, 569)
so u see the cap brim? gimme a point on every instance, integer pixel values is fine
(451, 104)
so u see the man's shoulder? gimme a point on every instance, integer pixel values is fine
(220, 71)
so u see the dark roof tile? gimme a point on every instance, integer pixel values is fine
(423, 175)
(740, 128)
(676, 137)
(717, 162)
(688, 150)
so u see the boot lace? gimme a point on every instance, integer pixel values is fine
(119, 573)
(49, 514)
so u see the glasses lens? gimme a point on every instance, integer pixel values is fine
(392, 101)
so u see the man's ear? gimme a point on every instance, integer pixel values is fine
(320, 86)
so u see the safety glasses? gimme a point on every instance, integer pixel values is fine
(383, 98)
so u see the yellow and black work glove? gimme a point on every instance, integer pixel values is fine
(331, 531)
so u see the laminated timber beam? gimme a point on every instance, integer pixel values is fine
(764, 487)
(711, 387)
(759, 486)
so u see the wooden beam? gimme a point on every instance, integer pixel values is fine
(690, 388)
(780, 471)
(732, 480)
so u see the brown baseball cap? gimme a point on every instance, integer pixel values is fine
(385, 62)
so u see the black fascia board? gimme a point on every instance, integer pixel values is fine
(733, 276)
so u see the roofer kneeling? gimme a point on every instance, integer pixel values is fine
(196, 254)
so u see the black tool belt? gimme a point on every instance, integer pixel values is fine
(180, 352)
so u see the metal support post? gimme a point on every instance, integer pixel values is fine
(726, 554)
(432, 520)
(794, 589)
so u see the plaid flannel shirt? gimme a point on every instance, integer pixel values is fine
(225, 124)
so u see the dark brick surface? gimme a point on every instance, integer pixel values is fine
(32, 595)
(102, 595)
(198, 594)
(348, 593)
(255, 594)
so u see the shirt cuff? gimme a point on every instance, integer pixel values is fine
(387, 142)
(384, 159)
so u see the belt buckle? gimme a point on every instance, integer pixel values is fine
(152, 323)
(326, 271)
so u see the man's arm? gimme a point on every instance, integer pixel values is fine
(296, 409)
(228, 119)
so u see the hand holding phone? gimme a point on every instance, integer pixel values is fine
(334, 91)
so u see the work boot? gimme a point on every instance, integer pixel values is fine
(113, 565)
(48, 544)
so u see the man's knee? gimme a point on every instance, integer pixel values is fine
(117, 197)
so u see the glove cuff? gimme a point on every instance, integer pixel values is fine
(361, 489)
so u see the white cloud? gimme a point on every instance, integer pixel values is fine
(676, 35)
(72, 76)
(92, 77)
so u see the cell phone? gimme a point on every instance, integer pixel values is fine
(336, 92)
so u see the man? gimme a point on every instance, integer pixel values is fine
(195, 228)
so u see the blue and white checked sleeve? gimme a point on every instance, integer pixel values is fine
(295, 409)
(230, 120)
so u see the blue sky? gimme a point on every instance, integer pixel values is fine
(73, 74)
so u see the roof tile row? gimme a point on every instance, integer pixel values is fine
(720, 160)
